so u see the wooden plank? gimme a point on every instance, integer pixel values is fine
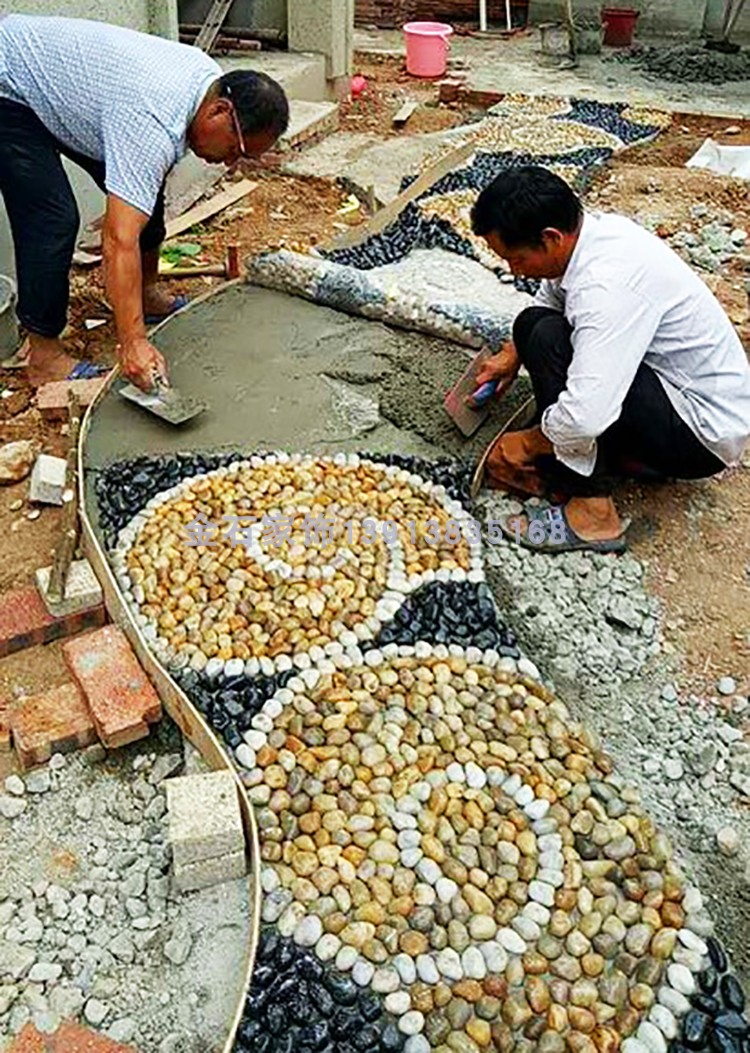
(386, 216)
(214, 21)
(402, 116)
(206, 209)
(69, 535)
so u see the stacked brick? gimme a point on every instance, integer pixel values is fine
(205, 830)
(390, 14)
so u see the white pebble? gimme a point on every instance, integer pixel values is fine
(446, 889)
(512, 784)
(417, 1044)
(346, 958)
(411, 1023)
(538, 913)
(327, 946)
(308, 931)
(526, 928)
(428, 870)
(542, 893)
(495, 956)
(681, 979)
(511, 941)
(473, 964)
(632, 1045)
(255, 739)
(664, 1020)
(385, 980)
(651, 1037)
(427, 970)
(362, 972)
(449, 964)
(692, 941)
(406, 968)
(475, 776)
(455, 772)
(245, 756)
(524, 796)
(537, 809)
(397, 1002)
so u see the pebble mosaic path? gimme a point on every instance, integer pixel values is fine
(573, 137)
(449, 861)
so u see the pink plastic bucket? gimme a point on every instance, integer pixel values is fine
(427, 46)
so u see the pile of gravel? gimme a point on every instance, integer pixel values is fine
(688, 62)
(90, 927)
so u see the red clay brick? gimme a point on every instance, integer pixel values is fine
(56, 721)
(52, 399)
(26, 622)
(69, 1038)
(120, 696)
(29, 1040)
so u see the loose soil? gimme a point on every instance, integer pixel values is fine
(693, 537)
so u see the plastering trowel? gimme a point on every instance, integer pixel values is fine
(164, 402)
(466, 403)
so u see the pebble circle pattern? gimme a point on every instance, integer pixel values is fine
(336, 546)
(450, 862)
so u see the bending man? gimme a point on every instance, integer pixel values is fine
(636, 369)
(125, 107)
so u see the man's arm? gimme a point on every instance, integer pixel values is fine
(139, 359)
(612, 331)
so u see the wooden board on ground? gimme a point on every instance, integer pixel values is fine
(402, 116)
(206, 209)
(386, 215)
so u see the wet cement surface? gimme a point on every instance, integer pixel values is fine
(280, 372)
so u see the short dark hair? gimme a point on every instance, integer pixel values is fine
(259, 101)
(522, 202)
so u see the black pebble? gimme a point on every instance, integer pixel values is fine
(732, 1022)
(342, 988)
(706, 1003)
(391, 1039)
(695, 1029)
(724, 1042)
(314, 1036)
(369, 1006)
(731, 993)
(708, 979)
(717, 955)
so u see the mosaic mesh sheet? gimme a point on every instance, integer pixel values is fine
(572, 137)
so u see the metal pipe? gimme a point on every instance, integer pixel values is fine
(508, 16)
(483, 16)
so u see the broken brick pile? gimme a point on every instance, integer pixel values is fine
(69, 1038)
(109, 696)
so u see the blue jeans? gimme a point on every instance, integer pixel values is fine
(44, 216)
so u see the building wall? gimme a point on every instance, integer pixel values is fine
(715, 17)
(658, 17)
(150, 16)
(243, 14)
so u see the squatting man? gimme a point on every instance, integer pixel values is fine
(636, 369)
(125, 107)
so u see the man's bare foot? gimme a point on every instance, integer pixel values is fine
(47, 360)
(594, 518)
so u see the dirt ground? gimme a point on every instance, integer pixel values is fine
(693, 537)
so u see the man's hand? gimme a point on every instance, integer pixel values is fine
(141, 363)
(501, 368)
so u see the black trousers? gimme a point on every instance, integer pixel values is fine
(649, 437)
(44, 216)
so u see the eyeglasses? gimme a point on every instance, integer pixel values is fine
(238, 129)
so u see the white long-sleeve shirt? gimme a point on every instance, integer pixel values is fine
(630, 299)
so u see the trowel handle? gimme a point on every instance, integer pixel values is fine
(483, 393)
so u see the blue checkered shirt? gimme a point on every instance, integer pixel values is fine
(110, 93)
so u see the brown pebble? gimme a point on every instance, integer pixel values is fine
(471, 990)
(672, 915)
(580, 1043)
(503, 1038)
(413, 943)
(642, 996)
(496, 987)
(537, 993)
(606, 1039)
(581, 1019)
(557, 1017)
(516, 1010)
(627, 1021)
(534, 963)
(479, 1031)
(441, 995)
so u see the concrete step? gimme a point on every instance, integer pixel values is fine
(301, 75)
(308, 120)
